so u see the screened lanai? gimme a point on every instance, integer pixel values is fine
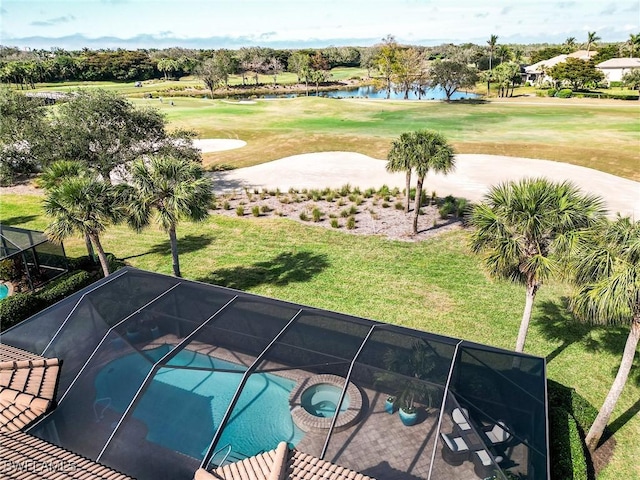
(162, 376)
(35, 259)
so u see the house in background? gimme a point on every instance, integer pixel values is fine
(536, 73)
(615, 68)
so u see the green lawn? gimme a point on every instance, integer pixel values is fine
(603, 135)
(436, 285)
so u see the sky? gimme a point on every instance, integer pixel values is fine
(74, 24)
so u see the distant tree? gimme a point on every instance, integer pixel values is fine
(633, 44)
(570, 44)
(386, 61)
(606, 269)
(592, 39)
(631, 79)
(274, 66)
(167, 66)
(452, 75)
(506, 76)
(524, 230)
(492, 42)
(368, 58)
(85, 206)
(504, 53)
(215, 71)
(297, 62)
(407, 69)
(173, 189)
(546, 53)
(318, 77)
(577, 72)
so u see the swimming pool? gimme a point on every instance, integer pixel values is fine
(4, 291)
(182, 408)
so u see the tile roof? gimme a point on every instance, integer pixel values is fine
(24, 457)
(281, 464)
(620, 63)
(27, 387)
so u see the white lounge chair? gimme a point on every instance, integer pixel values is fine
(460, 416)
(455, 450)
(498, 433)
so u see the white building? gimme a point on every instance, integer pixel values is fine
(536, 73)
(615, 68)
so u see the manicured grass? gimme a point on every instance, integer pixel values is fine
(436, 285)
(603, 135)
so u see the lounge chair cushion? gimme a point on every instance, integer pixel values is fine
(456, 444)
(460, 415)
(498, 434)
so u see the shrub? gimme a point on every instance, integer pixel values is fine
(564, 93)
(64, 286)
(221, 167)
(344, 213)
(255, 211)
(284, 200)
(446, 209)
(399, 206)
(265, 209)
(351, 223)
(11, 268)
(240, 210)
(552, 92)
(304, 217)
(17, 307)
(226, 205)
(353, 210)
(385, 205)
(344, 190)
(359, 200)
(335, 223)
(330, 197)
(316, 214)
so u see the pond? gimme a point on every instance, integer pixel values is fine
(369, 91)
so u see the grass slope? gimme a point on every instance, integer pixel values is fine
(436, 285)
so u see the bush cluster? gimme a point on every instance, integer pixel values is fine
(569, 418)
(20, 306)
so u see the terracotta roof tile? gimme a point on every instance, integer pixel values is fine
(281, 464)
(25, 457)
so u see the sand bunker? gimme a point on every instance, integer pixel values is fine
(207, 145)
(472, 178)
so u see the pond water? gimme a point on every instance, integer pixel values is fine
(370, 91)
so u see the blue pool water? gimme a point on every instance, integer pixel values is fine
(182, 408)
(4, 291)
(321, 400)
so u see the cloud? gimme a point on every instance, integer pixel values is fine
(53, 21)
(609, 9)
(565, 4)
(267, 35)
(481, 15)
(505, 10)
(3, 11)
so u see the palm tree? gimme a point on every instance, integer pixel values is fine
(606, 268)
(492, 42)
(592, 38)
(82, 205)
(570, 42)
(633, 43)
(53, 176)
(428, 150)
(398, 160)
(524, 227)
(174, 189)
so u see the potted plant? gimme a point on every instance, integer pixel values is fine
(390, 404)
(406, 372)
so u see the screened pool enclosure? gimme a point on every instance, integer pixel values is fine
(34, 259)
(162, 375)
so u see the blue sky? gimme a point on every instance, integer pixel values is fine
(299, 23)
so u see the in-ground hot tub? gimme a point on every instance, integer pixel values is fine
(314, 402)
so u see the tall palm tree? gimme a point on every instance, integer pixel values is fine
(174, 189)
(607, 272)
(398, 160)
(524, 227)
(428, 150)
(82, 205)
(592, 38)
(53, 176)
(492, 42)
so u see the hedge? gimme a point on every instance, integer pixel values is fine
(20, 306)
(570, 416)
